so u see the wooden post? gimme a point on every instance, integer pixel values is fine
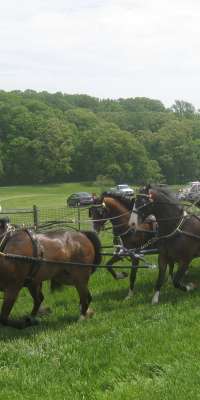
(79, 218)
(36, 216)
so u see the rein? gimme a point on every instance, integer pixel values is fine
(111, 218)
(35, 260)
(121, 224)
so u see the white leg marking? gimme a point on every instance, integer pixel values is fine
(155, 299)
(190, 286)
(129, 295)
(90, 312)
(82, 318)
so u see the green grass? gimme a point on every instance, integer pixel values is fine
(128, 350)
(47, 195)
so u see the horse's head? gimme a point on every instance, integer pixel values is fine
(113, 207)
(99, 214)
(145, 202)
(157, 200)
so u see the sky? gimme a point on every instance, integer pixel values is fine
(103, 48)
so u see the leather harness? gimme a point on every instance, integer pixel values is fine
(37, 252)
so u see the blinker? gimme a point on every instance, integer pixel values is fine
(152, 195)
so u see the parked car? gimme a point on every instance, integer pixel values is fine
(182, 194)
(194, 192)
(79, 199)
(191, 192)
(123, 189)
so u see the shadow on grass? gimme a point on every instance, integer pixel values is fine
(143, 292)
(8, 334)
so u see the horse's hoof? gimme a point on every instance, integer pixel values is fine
(191, 286)
(82, 318)
(90, 312)
(129, 295)
(127, 298)
(30, 321)
(44, 311)
(121, 275)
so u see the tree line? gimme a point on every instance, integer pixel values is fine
(49, 138)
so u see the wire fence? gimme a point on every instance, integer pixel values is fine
(49, 218)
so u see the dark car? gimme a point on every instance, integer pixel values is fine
(79, 199)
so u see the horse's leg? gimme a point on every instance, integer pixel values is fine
(85, 299)
(38, 297)
(89, 312)
(116, 275)
(133, 275)
(182, 270)
(171, 269)
(54, 285)
(162, 265)
(10, 297)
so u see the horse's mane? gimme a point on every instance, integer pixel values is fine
(164, 189)
(124, 200)
(167, 193)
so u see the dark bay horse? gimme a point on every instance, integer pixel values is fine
(178, 233)
(24, 262)
(117, 209)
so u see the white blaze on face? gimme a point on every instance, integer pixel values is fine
(133, 221)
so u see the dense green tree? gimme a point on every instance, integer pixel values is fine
(47, 137)
(106, 150)
(45, 158)
(183, 108)
(176, 151)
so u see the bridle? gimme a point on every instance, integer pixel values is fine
(151, 200)
(113, 220)
(178, 229)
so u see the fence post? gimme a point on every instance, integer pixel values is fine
(79, 219)
(35, 216)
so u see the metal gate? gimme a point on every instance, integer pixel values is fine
(42, 218)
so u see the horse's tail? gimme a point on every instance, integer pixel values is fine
(93, 237)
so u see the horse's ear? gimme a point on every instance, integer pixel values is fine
(152, 195)
(148, 186)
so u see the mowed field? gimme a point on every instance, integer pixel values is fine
(128, 350)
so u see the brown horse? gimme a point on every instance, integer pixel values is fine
(72, 256)
(117, 209)
(178, 233)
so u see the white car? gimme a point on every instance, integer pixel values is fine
(124, 189)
